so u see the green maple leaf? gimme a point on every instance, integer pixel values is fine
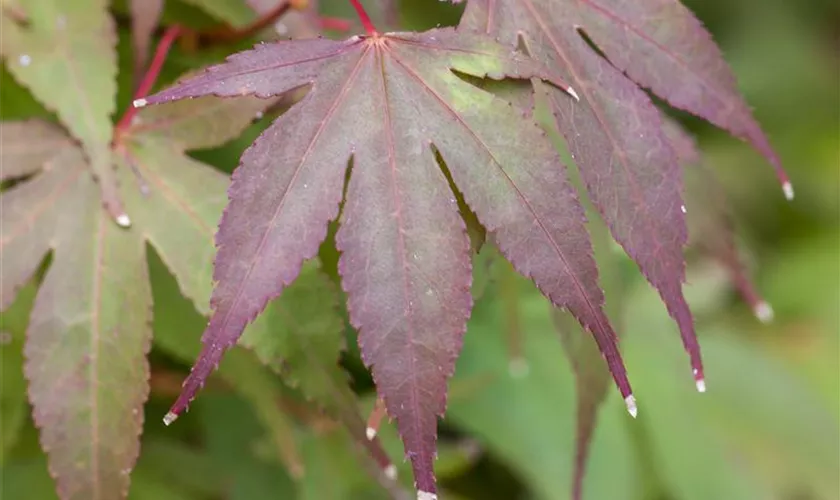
(89, 330)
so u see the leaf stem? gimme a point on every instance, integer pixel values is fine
(149, 79)
(364, 18)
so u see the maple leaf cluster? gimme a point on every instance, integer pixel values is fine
(393, 130)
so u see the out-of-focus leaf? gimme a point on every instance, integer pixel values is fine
(592, 375)
(188, 469)
(302, 339)
(88, 334)
(13, 407)
(89, 330)
(232, 436)
(27, 146)
(145, 15)
(760, 406)
(177, 332)
(64, 54)
(691, 458)
(145, 487)
(710, 221)
(329, 454)
(28, 479)
(234, 12)
(529, 422)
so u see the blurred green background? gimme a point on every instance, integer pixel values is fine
(768, 428)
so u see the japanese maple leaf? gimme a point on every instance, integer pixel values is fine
(615, 133)
(390, 102)
(89, 330)
(710, 219)
(90, 326)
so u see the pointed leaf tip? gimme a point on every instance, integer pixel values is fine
(391, 472)
(139, 103)
(370, 433)
(630, 402)
(169, 418)
(699, 380)
(764, 312)
(425, 495)
(787, 187)
(123, 220)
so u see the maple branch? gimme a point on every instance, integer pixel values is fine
(151, 75)
(370, 29)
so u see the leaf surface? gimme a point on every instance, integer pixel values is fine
(302, 339)
(72, 43)
(27, 146)
(145, 15)
(390, 102)
(614, 135)
(528, 422)
(89, 332)
(710, 220)
(89, 329)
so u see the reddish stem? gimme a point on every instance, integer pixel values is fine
(149, 79)
(364, 18)
(375, 418)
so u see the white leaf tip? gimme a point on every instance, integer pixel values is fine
(764, 312)
(787, 187)
(572, 93)
(701, 385)
(123, 220)
(139, 103)
(425, 495)
(391, 472)
(169, 418)
(630, 402)
(370, 432)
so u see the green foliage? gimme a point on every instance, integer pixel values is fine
(284, 415)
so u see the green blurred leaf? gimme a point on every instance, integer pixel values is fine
(232, 434)
(692, 446)
(301, 338)
(178, 330)
(529, 422)
(234, 12)
(27, 479)
(13, 404)
(65, 55)
(186, 468)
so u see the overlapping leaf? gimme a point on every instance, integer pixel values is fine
(145, 15)
(72, 43)
(89, 330)
(88, 333)
(390, 102)
(710, 221)
(615, 132)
